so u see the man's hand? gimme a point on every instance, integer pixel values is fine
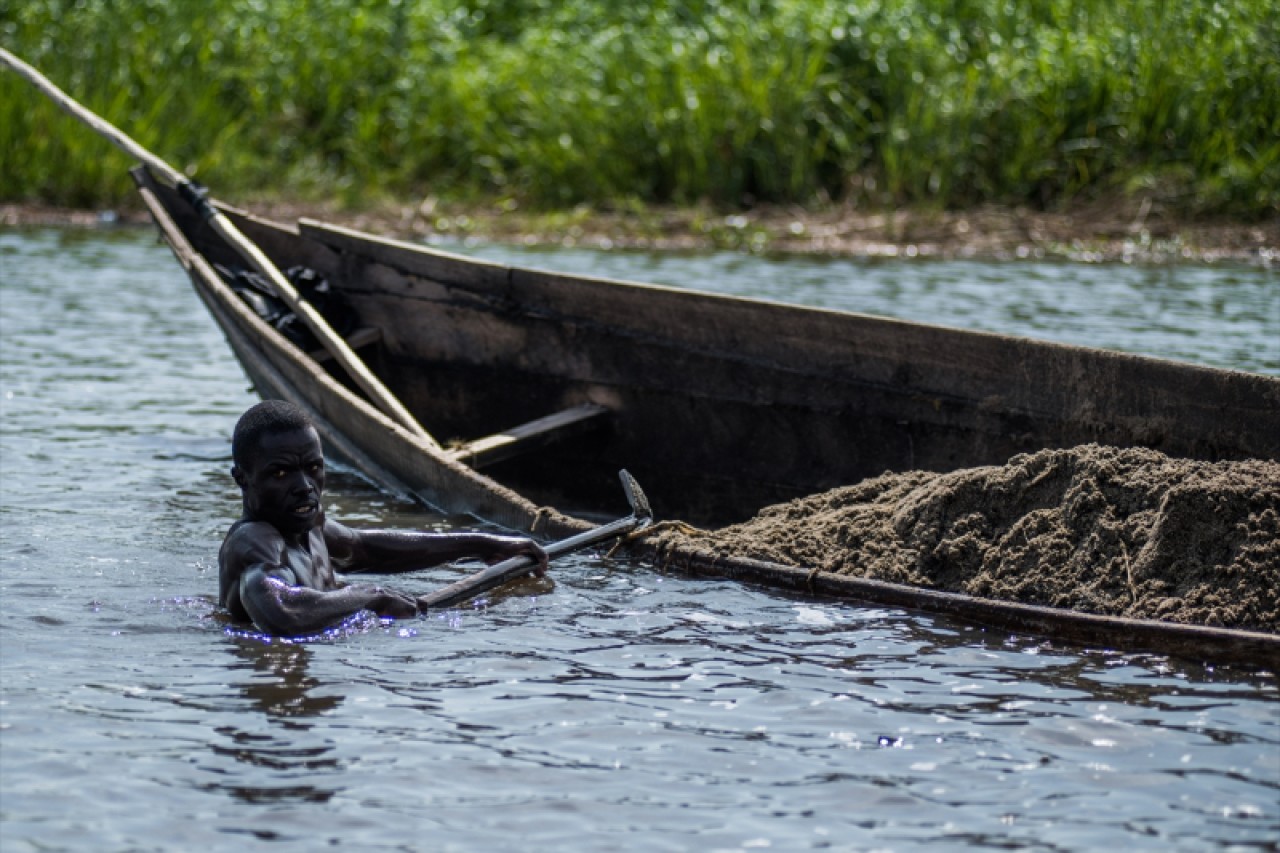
(393, 604)
(506, 547)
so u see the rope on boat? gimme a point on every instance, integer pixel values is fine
(195, 195)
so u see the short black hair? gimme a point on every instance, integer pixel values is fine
(269, 416)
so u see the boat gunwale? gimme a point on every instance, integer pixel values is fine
(352, 239)
(1204, 642)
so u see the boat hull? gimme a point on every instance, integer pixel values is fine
(724, 405)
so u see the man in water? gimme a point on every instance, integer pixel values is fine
(276, 566)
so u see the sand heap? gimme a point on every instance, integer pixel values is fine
(1129, 533)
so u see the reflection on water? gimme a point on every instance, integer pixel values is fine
(613, 707)
(280, 686)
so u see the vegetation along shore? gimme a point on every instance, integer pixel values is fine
(1082, 129)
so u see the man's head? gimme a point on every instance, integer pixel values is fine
(269, 416)
(279, 466)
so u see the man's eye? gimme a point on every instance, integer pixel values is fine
(278, 474)
(316, 467)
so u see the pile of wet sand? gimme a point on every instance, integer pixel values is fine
(1130, 532)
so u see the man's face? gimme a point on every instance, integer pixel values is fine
(283, 480)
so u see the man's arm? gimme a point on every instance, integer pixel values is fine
(258, 582)
(406, 550)
(278, 606)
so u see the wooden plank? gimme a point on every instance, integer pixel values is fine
(443, 267)
(359, 339)
(530, 436)
(1196, 642)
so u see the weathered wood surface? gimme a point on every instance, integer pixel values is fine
(1195, 642)
(728, 404)
(530, 437)
(357, 340)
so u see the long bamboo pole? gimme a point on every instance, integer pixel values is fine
(193, 194)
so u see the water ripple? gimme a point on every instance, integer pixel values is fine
(610, 707)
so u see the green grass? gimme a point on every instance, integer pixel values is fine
(945, 103)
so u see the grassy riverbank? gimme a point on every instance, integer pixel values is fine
(939, 105)
(1104, 231)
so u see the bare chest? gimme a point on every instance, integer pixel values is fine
(310, 563)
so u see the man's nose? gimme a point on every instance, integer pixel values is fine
(300, 483)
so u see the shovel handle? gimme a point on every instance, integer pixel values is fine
(514, 567)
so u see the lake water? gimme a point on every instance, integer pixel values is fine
(614, 709)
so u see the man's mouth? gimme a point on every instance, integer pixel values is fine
(304, 509)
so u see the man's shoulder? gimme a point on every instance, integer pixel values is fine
(249, 528)
(248, 538)
(246, 543)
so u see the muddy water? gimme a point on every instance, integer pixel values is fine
(618, 709)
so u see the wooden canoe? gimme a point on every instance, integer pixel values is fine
(542, 386)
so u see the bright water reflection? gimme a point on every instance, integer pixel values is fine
(618, 709)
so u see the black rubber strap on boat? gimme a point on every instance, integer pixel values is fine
(197, 196)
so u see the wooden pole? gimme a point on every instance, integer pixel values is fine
(331, 340)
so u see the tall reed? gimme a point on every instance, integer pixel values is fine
(939, 102)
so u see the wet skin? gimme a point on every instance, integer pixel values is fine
(277, 564)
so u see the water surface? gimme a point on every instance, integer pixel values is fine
(616, 709)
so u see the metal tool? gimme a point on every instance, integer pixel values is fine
(499, 573)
